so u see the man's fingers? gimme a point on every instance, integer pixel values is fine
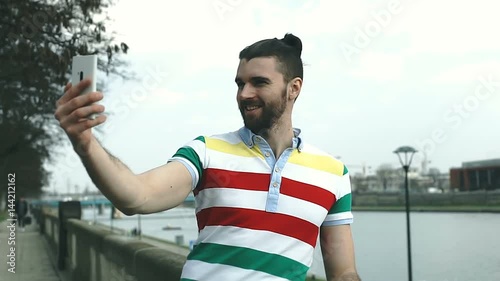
(82, 85)
(85, 124)
(81, 113)
(67, 87)
(78, 103)
(85, 112)
(73, 91)
(62, 99)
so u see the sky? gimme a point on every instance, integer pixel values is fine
(377, 75)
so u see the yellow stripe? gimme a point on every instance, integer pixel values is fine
(318, 162)
(239, 149)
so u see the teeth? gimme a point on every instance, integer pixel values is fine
(251, 107)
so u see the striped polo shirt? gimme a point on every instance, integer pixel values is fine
(258, 216)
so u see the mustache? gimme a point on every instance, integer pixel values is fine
(251, 103)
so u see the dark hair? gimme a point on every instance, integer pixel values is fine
(287, 52)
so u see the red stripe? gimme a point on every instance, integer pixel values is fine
(240, 180)
(308, 192)
(260, 182)
(259, 220)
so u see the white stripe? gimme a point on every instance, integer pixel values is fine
(308, 148)
(344, 187)
(302, 209)
(232, 137)
(202, 271)
(325, 180)
(339, 216)
(259, 240)
(230, 197)
(200, 148)
(231, 162)
(256, 200)
(337, 222)
(191, 168)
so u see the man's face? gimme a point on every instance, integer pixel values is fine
(262, 96)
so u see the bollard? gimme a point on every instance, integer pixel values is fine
(179, 240)
(67, 210)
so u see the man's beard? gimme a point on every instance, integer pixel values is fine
(271, 113)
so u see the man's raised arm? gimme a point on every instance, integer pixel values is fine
(156, 190)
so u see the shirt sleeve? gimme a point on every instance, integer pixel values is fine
(192, 156)
(341, 210)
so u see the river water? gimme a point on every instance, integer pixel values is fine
(445, 246)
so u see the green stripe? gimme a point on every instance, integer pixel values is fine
(342, 205)
(345, 170)
(249, 259)
(201, 138)
(190, 154)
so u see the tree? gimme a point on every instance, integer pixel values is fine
(435, 176)
(385, 174)
(27, 173)
(37, 42)
(359, 183)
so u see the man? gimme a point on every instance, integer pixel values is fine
(21, 212)
(262, 193)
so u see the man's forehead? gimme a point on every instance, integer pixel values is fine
(262, 66)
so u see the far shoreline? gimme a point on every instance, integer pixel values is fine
(442, 209)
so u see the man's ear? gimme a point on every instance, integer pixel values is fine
(294, 87)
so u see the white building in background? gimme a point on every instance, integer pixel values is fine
(393, 181)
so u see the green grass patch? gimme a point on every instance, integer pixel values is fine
(3, 215)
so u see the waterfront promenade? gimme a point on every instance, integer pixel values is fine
(33, 259)
(99, 250)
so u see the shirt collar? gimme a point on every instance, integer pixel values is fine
(248, 138)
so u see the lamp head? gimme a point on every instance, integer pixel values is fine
(406, 151)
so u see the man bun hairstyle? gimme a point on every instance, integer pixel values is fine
(293, 41)
(287, 52)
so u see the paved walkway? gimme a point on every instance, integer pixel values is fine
(32, 259)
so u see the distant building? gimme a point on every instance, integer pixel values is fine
(476, 175)
(391, 181)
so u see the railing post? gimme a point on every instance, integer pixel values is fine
(40, 219)
(67, 210)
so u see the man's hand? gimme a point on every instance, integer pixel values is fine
(72, 113)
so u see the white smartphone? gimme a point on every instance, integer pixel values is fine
(85, 67)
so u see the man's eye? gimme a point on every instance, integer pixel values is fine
(259, 83)
(240, 85)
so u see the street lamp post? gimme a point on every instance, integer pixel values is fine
(139, 230)
(405, 155)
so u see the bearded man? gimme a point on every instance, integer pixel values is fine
(263, 194)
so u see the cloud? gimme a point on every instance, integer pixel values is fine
(163, 97)
(378, 66)
(467, 72)
(328, 17)
(163, 26)
(450, 27)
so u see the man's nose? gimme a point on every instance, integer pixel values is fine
(247, 92)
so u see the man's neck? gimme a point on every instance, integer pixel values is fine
(279, 137)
